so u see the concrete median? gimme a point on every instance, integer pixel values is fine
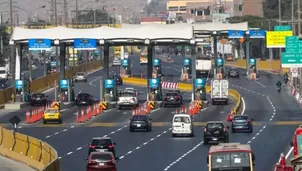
(47, 82)
(188, 87)
(28, 150)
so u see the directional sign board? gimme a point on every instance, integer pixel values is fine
(235, 34)
(276, 39)
(282, 28)
(39, 44)
(290, 60)
(64, 84)
(293, 44)
(255, 34)
(84, 44)
(15, 120)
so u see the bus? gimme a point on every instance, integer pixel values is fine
(231, 156)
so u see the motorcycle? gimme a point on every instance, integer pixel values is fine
(279, 89)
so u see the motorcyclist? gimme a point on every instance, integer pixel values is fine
(230, 116)
(286, 78)
(279, 84)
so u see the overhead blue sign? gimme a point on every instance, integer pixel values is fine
(252, 61)
(125, 62)
(109, 83)
(257, 34)
(199, 82)
(39, 44)
(84, 44)
(187, 62)
(219, 62)
(156, 62)
(235, 34)
(64, 84)
(19, 84)
(154, 83)
(53, 63)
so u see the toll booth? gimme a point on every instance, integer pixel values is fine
(22, 90)
(157, 67)
(187, 66)
(66, 90)
(253, 72)
(220, 69)
(155, 91)
(126, 66)
(110, 90)
(200, 89)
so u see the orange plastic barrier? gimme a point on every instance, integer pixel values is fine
(85, 115)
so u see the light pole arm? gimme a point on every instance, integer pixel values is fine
(27, 12)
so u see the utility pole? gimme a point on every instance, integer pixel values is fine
(293, 17)
(52, 9)
(65, 13)
(56, 24)
(77, 14)
(12, 52)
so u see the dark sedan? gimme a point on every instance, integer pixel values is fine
(242, 123)
(233, 73)
(84, 99)
(140, 122)
(172, 98)
(118, 79)
(38, 99)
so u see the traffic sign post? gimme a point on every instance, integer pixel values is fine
(294, 72)
(292, 57)
(283, 28)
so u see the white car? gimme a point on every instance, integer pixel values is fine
(127, 99)
(80, 76)
(132, 90)
(182, 124)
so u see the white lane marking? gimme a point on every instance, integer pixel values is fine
(289, 153)
(94, 80)
(260, 84)
(57, 133)
(85, 145)
(243, 105)
(183, 156)
(145, 143)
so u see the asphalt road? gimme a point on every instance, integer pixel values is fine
(157, 150)
(11, 165)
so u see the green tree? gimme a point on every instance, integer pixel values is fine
(271, 9)
(6, 50)
(155, 7)
(254, 21)
(101, 16)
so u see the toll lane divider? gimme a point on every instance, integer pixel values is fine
(28, 150)
(188, 87)
(265, 65)
(43, 83)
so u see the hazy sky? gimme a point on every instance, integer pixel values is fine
(44, 13)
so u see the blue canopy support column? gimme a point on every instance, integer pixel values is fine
(62, 60)
(106, 60)
(18, 62)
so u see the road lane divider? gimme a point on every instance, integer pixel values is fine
(47, 82)
(84, 115)
(188, 87)
(28, 150)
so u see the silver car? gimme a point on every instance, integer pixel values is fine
(80, 76)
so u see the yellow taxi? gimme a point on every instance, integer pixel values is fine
(169, 59)
(52, 115)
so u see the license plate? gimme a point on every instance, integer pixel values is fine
(38, 98)
(214, 139)
(138, 125)
(101, 164)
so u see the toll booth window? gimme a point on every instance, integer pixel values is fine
(230, 159)
(101, 142)
(51, 111)
(102, 157)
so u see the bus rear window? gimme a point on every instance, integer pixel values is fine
(230, 159)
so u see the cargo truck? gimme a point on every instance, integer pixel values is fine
(219, 92)
(204, 67)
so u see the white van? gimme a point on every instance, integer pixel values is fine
(182, 124)
(3, 73)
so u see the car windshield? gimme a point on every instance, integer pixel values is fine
(101, 142)
(83, 96)
(51, 111)
(230, 159)
(234, 70)
(172, 94)
(139, 118)
(80, 74)
(215, 125)
(238, 118)
(184, 119)
(101, 156)
(126, 94)
(38, 96)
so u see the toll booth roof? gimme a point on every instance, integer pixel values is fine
(227, 147)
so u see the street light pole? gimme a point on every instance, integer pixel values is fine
(77, 14)
(12, 57)
(56, 24)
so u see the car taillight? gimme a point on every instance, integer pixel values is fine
(111, 146)
(205, 130)
(133, 99)
(91, 162)
(78, 98)
(248, 121)
(166, 97)
(92, 146)
(178, 97)
(110, 163)
(118, 99)
(224, 129)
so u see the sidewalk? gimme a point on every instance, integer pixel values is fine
(11, 165)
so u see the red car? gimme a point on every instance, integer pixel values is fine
(101, 161)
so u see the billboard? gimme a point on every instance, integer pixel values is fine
(276, 39)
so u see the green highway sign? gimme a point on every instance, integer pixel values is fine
(293, 44)
(282, 28)
(291, 60)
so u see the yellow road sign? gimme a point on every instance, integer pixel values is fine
(276, 39)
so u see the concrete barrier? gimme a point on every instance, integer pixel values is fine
(188, 87)
(265, 65)
(28, 150)
(47, 82)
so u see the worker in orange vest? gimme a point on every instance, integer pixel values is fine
(230, 116)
